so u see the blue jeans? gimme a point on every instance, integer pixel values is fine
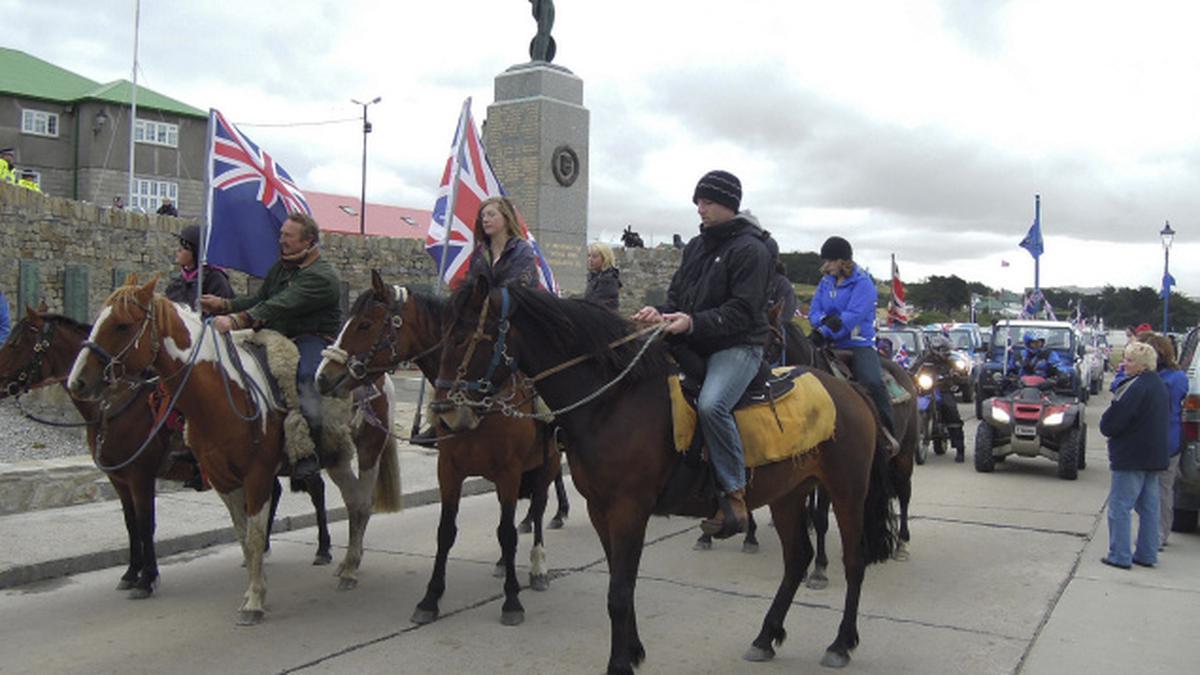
(310, 347)
(729, 373)
(1133, 490)
(869, 373)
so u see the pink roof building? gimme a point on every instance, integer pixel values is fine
(339, 213)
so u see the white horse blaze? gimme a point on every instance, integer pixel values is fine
(83, 353)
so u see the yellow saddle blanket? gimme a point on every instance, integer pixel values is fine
(802, 419)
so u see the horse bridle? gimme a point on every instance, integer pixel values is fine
(32, 372)
(357, 364)
(113, 364)
(459, 386)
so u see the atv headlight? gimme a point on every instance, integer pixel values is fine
(1053, 419)
(1001, 416)
(925, 381)
(960, 365)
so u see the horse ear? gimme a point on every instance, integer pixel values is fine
(131, 279)
(146, 293)
(381, 289)
(42, 307)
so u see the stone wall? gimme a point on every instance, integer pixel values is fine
(71, 254)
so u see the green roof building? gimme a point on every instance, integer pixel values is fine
(73, 134)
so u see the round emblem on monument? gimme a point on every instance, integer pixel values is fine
(565, 165)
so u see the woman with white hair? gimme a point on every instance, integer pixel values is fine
(604, 279)
(1136, 426)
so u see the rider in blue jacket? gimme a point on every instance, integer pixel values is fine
(1035, 359)
(843, 315)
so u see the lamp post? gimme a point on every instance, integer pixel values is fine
(1168, 235)
(362, 206)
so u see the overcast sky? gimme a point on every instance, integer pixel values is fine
(921, 128)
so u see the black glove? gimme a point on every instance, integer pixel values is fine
(833, 321)
(817, 338)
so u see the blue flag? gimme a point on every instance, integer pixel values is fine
(1033, 240)
(251, 197)
(1168, 282)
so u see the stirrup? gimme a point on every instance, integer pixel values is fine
(728, 525)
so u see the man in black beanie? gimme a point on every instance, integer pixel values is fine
(717, 305)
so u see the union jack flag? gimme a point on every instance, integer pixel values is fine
(476, 183)
(251, 197)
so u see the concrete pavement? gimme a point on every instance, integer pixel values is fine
(1004, 578)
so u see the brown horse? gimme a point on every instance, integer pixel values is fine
(800, 350)
(235, 427)
(611, 397)
(389, 325)
(40, 353)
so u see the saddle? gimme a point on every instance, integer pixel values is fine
(792, 417)
(842, 367)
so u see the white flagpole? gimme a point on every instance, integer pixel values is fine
(448, 218)
(206, 224)
(137, 20)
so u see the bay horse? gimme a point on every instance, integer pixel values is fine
(801, 350)
(40, 352)
(390, 325)
(614, 405)
(234, 427)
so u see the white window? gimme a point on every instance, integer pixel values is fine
(149, 194)
(156, 133)
(39, 122)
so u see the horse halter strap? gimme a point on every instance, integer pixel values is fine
(32, 372)
(113, 363)
(484, 384)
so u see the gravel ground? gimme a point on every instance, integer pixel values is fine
(23, 439)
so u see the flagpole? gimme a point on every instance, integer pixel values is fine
(1037, 259)
(206, 223)
(448, 221)
(448, 218)
(137, 20)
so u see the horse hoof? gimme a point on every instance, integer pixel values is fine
(140, 593)
(513, 618)
(556, 523)
(702, 545)
(817, 583)
(524, 528)
(322, 558)
(749, 547)
(499, 572)
(835, 660)
(347, 584)
(539, 582)
(901, 555)
(423, 617)
(758, 654)
(125, 584)
(250, 617)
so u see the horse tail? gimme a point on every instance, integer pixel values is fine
(880, 527)
(387, 484)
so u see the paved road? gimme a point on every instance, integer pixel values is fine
(1004, 577)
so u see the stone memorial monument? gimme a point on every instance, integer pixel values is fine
(536, 136)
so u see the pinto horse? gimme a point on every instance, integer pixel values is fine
(611, 397)
(40, 353)
(800, 350)
(234, 428)
(388, 325)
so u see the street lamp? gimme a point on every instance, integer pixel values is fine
(1168, 235)
(362, 216)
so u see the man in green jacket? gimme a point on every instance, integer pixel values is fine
(299, 298)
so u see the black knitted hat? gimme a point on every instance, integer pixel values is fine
(190, 237)
(721, 187)
(836, 248)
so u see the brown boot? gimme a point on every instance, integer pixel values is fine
(731, 517)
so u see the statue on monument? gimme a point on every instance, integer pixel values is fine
(542, 47)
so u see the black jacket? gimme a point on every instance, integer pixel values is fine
(216, 282)
(723, 283)
(1136, 424)
(517, 265)
(604, 288)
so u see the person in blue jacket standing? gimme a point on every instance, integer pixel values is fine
(842, 314)
(1136, 426)
(5, 326)
(1176, 382)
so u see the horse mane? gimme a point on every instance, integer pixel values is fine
(434, 305)
(575, 327)
(63, 319)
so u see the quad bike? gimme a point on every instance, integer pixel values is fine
(1032, 421)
